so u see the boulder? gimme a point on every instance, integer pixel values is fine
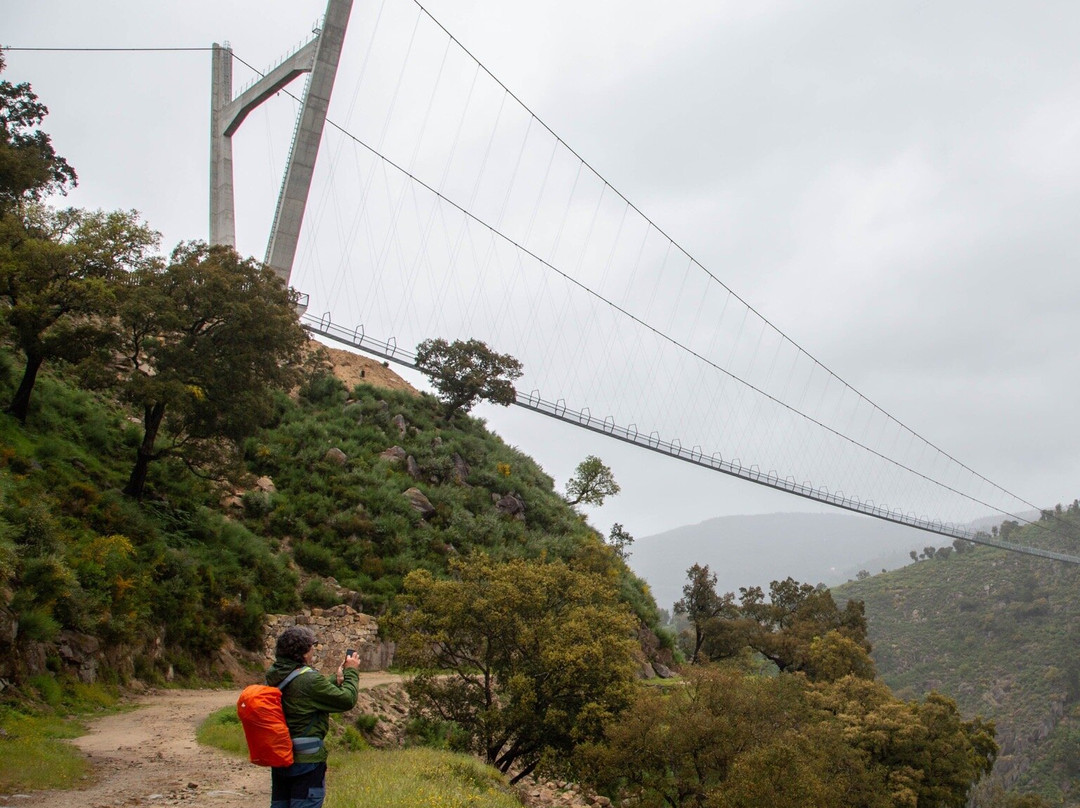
(663, 671)
(421, 503)
(412, 467)
(335, 456)
(399, 421)
(395, 454)
(510, 505)
(266, 484)
(461, 470)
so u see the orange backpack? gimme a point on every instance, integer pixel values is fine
(263, 719)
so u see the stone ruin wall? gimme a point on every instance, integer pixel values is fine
(337, 629)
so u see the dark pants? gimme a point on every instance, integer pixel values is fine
(304, 789)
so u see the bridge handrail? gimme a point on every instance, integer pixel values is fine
(734, 467)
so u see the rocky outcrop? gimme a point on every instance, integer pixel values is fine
(9, 627)
(389, 703)
(80, 656)
(80, 653)
(545, 793)
(353, 369)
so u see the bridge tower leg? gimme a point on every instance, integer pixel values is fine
(320, 58)
(292, 201)
(222, 205)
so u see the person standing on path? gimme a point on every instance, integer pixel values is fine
(307, 700)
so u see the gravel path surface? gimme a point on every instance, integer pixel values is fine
(148, 756)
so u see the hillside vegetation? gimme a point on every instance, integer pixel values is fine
(167, 580)
(1000, 633)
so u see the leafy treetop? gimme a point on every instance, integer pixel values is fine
(528, 658)
(592, 483)
(59, 271)
(799, 628)
(465, 373)
(30, 168)
(728, 740)
(206, 339)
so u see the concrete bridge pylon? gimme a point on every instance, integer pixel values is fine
(319, 57)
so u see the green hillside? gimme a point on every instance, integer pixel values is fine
(165, 581)
(1000, 633)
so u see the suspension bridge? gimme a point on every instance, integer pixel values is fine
(423, 198)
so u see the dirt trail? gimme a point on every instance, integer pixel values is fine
(148, 756)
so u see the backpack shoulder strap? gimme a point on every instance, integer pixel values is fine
(285, 682)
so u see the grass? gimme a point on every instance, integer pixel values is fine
(221, 729)
(34, 755)
(404, 778)
(414, 778)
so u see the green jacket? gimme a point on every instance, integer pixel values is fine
(309, 699)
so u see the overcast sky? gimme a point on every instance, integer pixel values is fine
(895, 185)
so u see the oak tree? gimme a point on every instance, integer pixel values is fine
(30, 168)
(619, 540)
(59, 271)
(529, 658)
(466, 372)
(725, 739)
(924, 752)
(592, 483)
(207, 339)
(703, 606)
(793, 617)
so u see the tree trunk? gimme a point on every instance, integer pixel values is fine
(152, 417)
(20, 404)
(521, 775)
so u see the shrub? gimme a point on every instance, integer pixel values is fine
(351, 739)
(435, 734)
(314, 557)
(38, 625)
(319, 595)
(366, 722)
(257, 503)
(322, 389)
(48, 689)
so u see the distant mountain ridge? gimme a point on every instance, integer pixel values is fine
(752, 550)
